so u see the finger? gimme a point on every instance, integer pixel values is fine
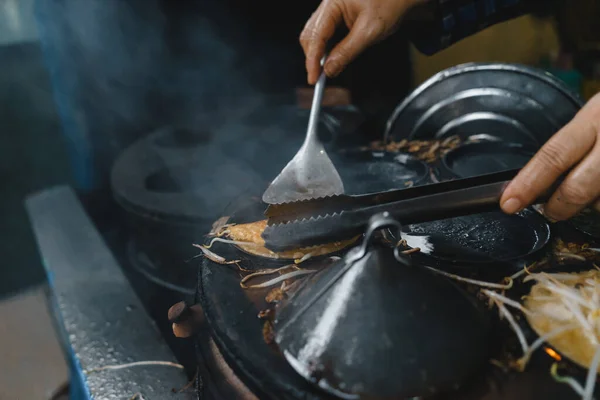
(580, 188)
(560, 153)
(308, 37)
(316, 33)
(365, 31)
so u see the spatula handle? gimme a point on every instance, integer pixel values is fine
(315, 110)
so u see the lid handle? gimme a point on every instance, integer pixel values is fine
(376, 223)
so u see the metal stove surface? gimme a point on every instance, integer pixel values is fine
(104, 326)
(110, 314)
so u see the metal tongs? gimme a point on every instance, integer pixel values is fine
(325, 220)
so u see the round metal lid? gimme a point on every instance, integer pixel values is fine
(180, 174)
(511, 102)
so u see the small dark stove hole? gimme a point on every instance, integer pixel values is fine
(370, 172)
(164, 181)
(325, 135)
(486, 157)
(182, 138)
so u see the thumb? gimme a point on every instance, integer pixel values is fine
(365, 31)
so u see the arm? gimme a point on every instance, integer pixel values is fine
(370, 21)
(453, 20)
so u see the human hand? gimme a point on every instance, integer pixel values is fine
(576, 145)
(368, 21)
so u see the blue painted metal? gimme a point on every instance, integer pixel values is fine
(78, 389)
(99, 318)
(64, 81)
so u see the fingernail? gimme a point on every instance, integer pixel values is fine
(331, 68)
(551, 214)
(511, 205)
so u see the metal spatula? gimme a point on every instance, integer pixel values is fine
(310, 174)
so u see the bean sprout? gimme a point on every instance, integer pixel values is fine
(505, 300)
(304, 258)
(590, 380)
(540, 341)
(473, 281)
(566, 379)
(134, 364)
(234, 242)
(214, 256)
(264, 272)
(281, 278)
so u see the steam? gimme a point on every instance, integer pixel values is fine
(122, 69)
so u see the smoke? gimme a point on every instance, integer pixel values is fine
(104, 59)
(121, 69)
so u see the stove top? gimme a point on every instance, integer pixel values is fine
(114, 286)
(484, 247)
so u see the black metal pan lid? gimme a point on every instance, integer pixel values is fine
(370, 317)
(511, 102)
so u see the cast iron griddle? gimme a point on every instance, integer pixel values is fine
(508, 102)
(232, 315)
(485, 238)
(232, 311)
(588, 222)
(485, 157)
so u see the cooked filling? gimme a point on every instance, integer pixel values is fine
(426, 150)
(251, 234)
(566, 308)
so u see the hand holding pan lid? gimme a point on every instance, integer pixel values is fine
(416, 332)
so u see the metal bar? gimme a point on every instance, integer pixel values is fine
(103, 321)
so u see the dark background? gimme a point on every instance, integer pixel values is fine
(33, 158)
